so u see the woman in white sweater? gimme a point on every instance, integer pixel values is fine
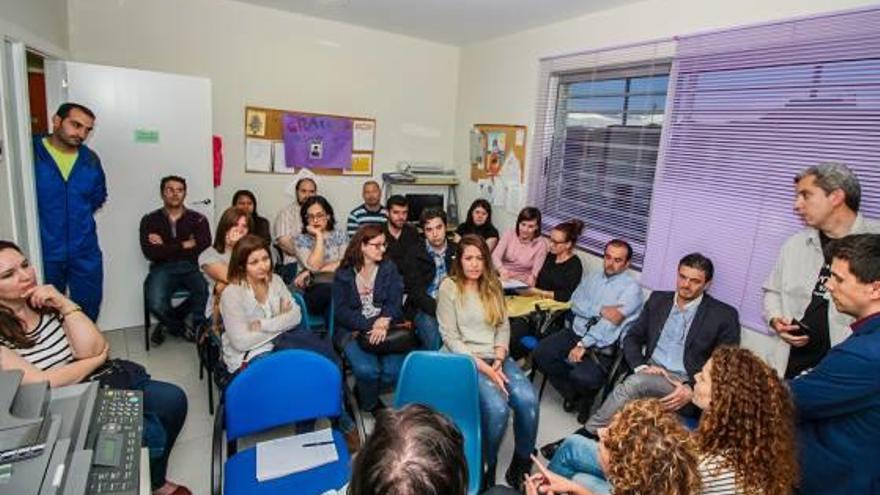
(257, 308)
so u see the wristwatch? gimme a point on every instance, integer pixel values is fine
(581, 344)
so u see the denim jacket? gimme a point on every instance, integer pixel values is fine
(387, 295)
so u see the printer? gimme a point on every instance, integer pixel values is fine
(70, 440)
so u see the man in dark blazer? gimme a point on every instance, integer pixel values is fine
(838, 401)
(423, 268)
(670, 342)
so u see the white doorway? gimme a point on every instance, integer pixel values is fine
(148, 125)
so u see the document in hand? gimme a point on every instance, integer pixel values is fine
(282, 456)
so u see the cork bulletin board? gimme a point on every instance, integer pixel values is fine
(271, 148)
(494, 146)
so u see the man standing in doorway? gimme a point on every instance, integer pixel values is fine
(70, 188)
(827, 198)
(172, 238)
(371, 211)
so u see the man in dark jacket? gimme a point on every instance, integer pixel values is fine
(670, 342)
(423, 271)
(402, 238)
(172, 238)
(838, 401)
(70, 189)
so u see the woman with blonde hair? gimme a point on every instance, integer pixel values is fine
(473, 321)
(644, 450)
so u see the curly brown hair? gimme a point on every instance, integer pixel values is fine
(749, 424)
(650, 451)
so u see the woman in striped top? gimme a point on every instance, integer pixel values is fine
(48, 337)
(745, 438)
(746, 433)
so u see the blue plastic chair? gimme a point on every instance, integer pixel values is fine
(448, 383)
(281, 388)
(315, 322)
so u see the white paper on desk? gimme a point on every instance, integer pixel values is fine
(258, 155)
(511, 284)
(283, 456)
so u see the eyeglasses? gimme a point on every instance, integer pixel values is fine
(552, 241)
(316, 216)
(378, 245)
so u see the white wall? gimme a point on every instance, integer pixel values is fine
(498, 78)
(41, 24)
(264, 57)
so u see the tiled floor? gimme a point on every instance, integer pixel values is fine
(175, 361)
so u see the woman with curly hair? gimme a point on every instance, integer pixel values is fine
(745, 437)
(746, 433)
(644, 449)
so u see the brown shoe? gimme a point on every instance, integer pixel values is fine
(353, 440)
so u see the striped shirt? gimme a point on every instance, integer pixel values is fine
(51, 347)
(362, 216)
(718, 480)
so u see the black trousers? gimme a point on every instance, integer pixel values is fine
(570, 379)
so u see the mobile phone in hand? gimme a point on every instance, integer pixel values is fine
(803, 328)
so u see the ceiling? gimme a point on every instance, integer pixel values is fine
(456, 22)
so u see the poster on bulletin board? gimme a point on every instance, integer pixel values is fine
(284, 142)
(498, 150)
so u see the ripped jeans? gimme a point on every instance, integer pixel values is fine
(495, 409)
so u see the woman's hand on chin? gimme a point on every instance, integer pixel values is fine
(47, 296)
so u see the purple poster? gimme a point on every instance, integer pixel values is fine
(315, 141)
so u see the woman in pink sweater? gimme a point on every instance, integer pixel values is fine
(520, 253)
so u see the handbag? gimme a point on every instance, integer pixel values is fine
(399, 339)
(120, 374)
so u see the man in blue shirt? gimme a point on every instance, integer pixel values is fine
(576, 360)
(838, 401)
(70, 188)
(670, 342)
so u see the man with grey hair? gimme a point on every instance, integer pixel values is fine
(796, 302)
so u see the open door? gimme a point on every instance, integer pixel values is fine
(148, 125)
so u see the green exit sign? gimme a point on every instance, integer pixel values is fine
(146, 136)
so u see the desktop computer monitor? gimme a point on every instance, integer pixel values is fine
(419, 202)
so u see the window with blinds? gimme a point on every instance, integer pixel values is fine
(600, 140)
(751, 107)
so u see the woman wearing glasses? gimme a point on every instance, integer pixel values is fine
(368, 294)
(319, 249)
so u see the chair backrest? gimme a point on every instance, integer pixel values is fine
(303, 308)
(282, 388)
(448, 383)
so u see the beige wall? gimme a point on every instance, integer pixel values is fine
(259, 56)
(41, 24)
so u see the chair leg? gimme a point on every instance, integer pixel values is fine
(210, 396)
(146, 323)
(543, 384)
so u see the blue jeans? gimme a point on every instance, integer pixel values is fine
(428, 331)
(164, 280)
(165, 408)
(578, 460)
(372, 372)
(495, 409)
